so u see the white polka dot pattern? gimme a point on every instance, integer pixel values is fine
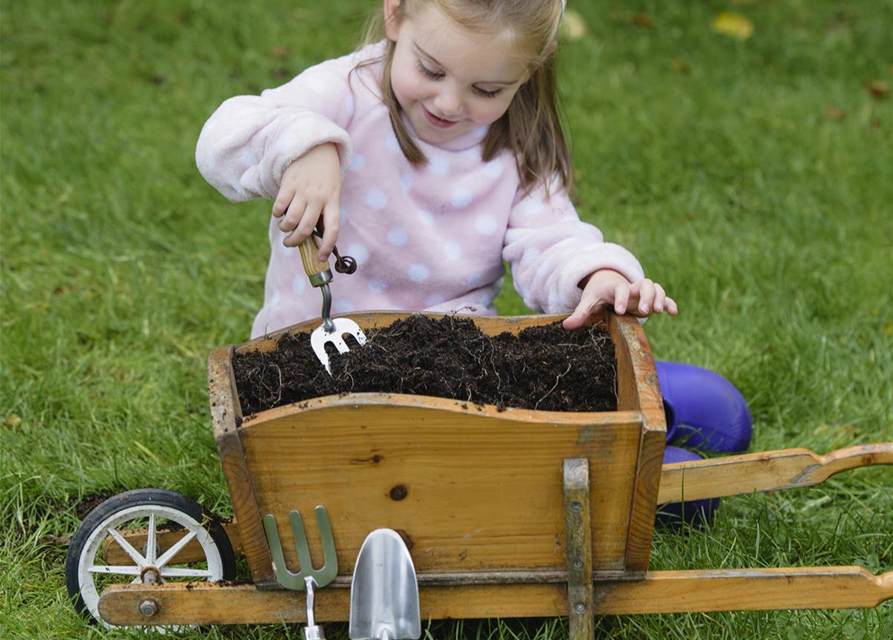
(452, 250)
(391, 144)
(357, 162)
(426, 217)
(359, 252)
(342, 305)
(376, 198)
(398, 236)
(493, 169)
(461, 197)
(418, 272)
(485, 224)
(439, 165)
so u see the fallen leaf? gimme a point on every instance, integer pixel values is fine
(643, 20)
(836, 114)
(877, 89)
(279, 51)
(733, 24)
(875, 124)
(572, 26)
(13, 422)
(681, 66)
(888, 329)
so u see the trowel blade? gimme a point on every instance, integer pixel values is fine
(384, 592)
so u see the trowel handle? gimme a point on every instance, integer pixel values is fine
(317, 270)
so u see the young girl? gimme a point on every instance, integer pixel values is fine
(430, 156)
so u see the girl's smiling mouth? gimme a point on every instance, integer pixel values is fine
(440, 123)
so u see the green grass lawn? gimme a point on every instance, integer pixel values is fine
(753, 178)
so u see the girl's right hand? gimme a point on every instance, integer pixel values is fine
(310, 188)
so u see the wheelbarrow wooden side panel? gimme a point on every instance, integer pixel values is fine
(469, 489)
(472, 488)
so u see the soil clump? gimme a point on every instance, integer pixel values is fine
(546, 367)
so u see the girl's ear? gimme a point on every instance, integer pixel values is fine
(391, 19)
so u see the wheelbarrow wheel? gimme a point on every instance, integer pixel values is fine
(145, 536)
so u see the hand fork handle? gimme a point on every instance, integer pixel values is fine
(317, 271)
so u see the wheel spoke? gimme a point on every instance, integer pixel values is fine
(115, 569)
(176, 572)
(168, 555)
(150, 541)
(128, 548)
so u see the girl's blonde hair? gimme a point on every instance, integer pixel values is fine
(531, 128)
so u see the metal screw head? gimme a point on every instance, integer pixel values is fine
(576, 506)
(148, 608)
(578, 564)
(580, 607)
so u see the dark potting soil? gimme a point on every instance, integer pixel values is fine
(546, 367)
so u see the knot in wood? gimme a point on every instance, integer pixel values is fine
(399, 492)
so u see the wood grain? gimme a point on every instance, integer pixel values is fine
(638, 388)
(225, 418)
(471, 488)
(578, 521)
(658, 592)
(766, 471)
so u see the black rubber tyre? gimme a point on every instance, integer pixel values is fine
(162, 499)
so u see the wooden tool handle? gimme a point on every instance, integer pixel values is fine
(767, 471)
(317, 270)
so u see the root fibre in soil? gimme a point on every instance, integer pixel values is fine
(546, 368)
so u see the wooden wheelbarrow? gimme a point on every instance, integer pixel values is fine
(510, 513)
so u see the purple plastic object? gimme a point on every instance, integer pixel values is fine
(704, 410)
(694, 512)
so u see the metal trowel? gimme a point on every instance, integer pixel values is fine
(384, 591)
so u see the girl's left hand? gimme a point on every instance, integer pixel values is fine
(608, 287)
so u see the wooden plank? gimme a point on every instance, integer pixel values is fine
(766, 471)
(644, 505)
(638, 388)
(226, 417)
(578, 526)
(746, 590)
(471, 488)
(658, 592)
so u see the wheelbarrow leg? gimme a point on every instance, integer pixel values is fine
(578, 525)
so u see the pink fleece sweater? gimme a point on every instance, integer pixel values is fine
(429, 238)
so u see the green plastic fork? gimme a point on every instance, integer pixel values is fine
(296, 581)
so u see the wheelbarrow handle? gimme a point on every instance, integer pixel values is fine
(767, 471)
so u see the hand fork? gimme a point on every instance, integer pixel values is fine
(297, 581)
(307, 578)
(330, 330)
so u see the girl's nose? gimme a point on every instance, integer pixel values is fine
(449, 103)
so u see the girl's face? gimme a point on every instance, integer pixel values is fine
(448, 80)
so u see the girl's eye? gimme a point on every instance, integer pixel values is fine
(435, 75)
(427, 71)
(487, 94)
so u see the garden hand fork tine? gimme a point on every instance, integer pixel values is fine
(330, 330)
(296, 581)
